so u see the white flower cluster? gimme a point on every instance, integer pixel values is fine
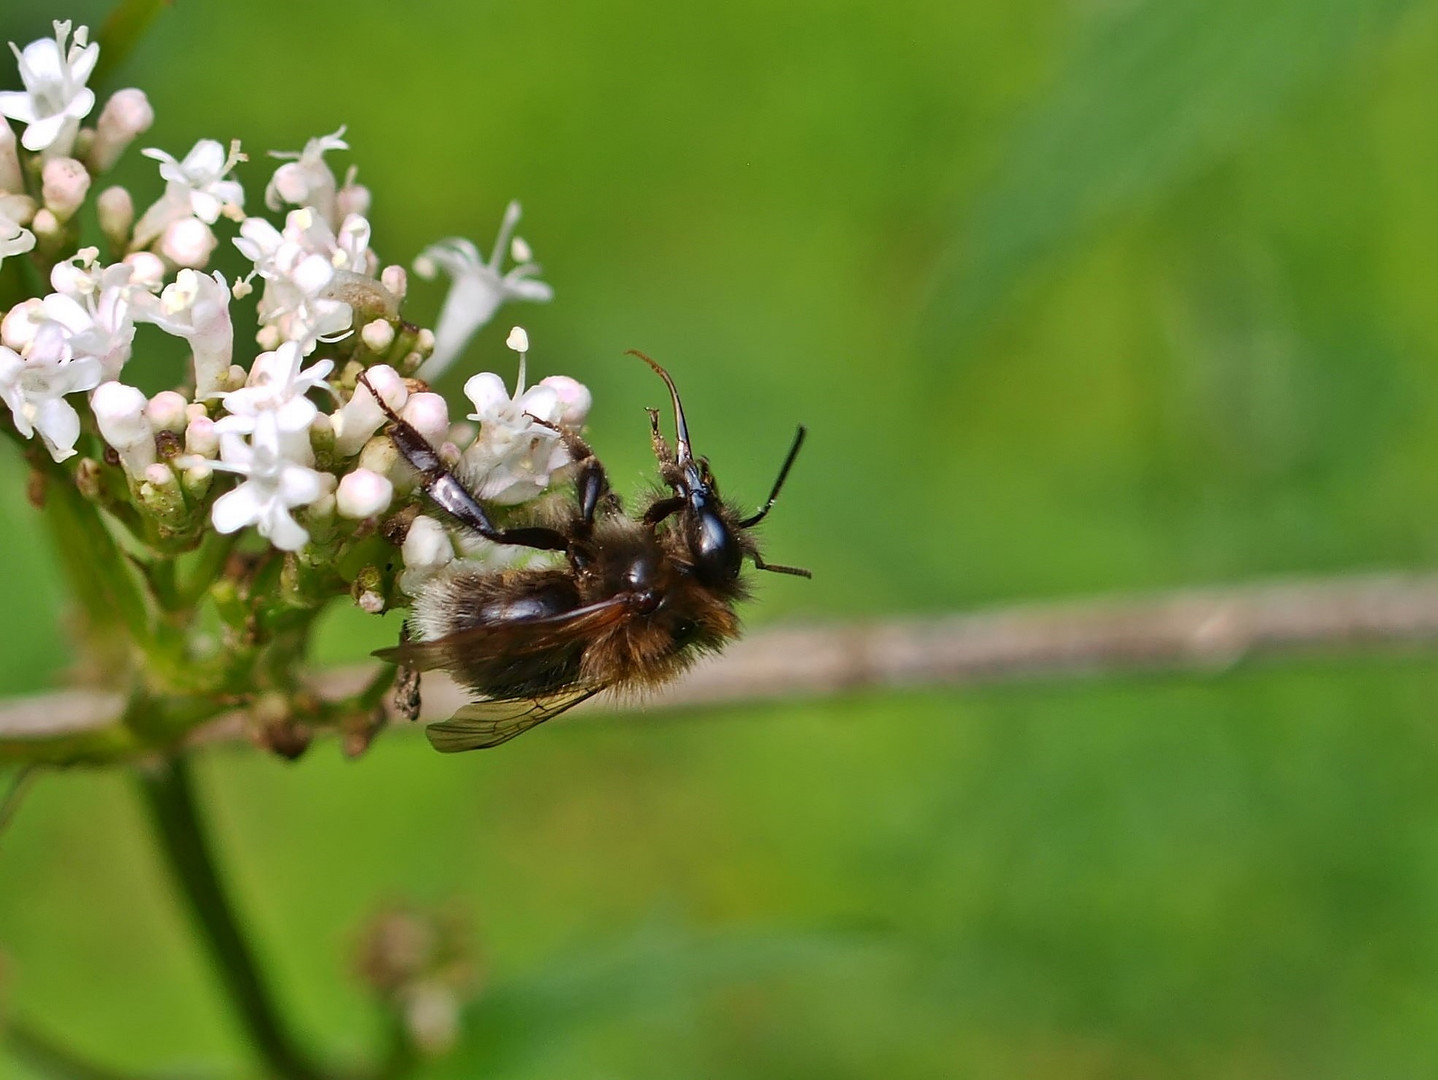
(301, 434)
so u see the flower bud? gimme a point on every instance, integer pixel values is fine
(395, 280)
(47, 226)
(352, 199)
(188, 242)
(196, 481)
(17, 329)
(149, 269)
(125, 115)
(361, 416)
(117, 215)
(161, 495)
(426, 548)
(574, 398)
(166, 411)
(379, 455)
(363, 494)
(377, 335)
(64, 183)
(201, 438)
(120, 413)
(429, 415)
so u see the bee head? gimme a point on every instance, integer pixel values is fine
(713, 542)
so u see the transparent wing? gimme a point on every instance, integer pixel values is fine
(483, 724)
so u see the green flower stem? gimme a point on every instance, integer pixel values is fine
(169, 797)
(103, 579)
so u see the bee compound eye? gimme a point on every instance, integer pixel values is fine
(717, 556)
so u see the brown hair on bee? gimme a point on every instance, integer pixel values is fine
(637, 600)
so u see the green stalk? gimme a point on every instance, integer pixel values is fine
(169, 797)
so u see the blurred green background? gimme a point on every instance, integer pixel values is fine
(1075, 297)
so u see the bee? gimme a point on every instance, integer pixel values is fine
(635, 602)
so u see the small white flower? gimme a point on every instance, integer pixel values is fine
(34, 387)
(514, 457)
(305, 179)
(304, 267)
(55, 98)
(276, 388)
(195, 187)
(94, 305)
(196, 307)
(276, 482)
(200, 178)
(477, 289)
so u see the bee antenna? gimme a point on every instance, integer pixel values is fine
(683, 454)
(749, 522)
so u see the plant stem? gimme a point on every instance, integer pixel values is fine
(169, 796)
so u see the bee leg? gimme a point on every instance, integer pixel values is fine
(775, 568)
(406, 685)
(445, 489)
(592, 483)
(662, 508)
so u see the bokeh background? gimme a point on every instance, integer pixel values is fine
(1076, 296)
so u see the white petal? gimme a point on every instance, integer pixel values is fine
(283, 531)
(488, 394)
(235, 509)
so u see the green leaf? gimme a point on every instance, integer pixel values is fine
(1153, 96)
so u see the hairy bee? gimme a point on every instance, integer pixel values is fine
(635, 602)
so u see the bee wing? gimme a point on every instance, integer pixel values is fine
(483, 724)
(518, 637)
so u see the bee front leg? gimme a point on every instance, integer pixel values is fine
(592, 483)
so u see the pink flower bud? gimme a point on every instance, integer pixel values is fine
(188, 242)
(167, 411)
(117, 215)
(149, 268)
(429, 415)
(363, 494)
(126, 114)
(201, 438)
(574, 398)
(64, 183)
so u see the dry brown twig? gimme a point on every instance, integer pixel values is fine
(1203, 629)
